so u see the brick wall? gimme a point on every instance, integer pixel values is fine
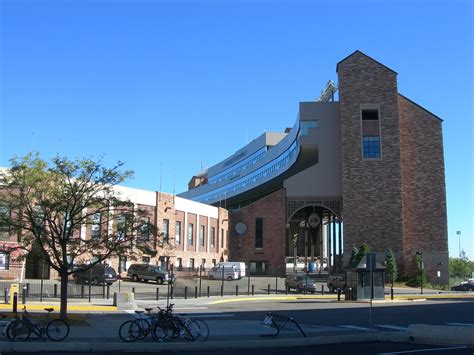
(272, 210)
(372, 196)
(423, 186)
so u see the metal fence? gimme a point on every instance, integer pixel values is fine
(184, 288)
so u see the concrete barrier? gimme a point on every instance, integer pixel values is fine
(125, 300)
(442, 334)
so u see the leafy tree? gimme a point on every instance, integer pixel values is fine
(391, 264)
(460, 268)
(51, 202)
(358, 254)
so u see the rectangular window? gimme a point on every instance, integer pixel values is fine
(4, 260)
(178, 232)
(4, 213)
(191, 263)
(371, 147)
(166, 230)
(305, 127)
(144, 228)
(190, 234)
(179, 262)
(222, 238)
(258, 233)
(213, 262)
(122, 264)
(371, 144)
(95, 227)
(213, 237)
(121, 227)
(203, 264)
(258, 267)
(201, 235)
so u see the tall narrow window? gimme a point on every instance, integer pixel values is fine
(191, 263)
(122, 264)
(222, 238)
(166, 230)
(371, 144)
(190, 233)
(213, 236)
(4, 213)
(121, 227)
(258, 233)
(201, 235)
(178, 232)
(144, 228)
(95, 227)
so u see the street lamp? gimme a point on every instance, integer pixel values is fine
(420, 253)
(459, 235)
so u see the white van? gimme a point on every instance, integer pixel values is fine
(230, 273)
(239, 266)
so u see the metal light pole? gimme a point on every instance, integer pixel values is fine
(420, 253)
(459, 235)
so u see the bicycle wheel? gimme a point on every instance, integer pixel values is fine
(162, 330)
(57, 330)
(192, 330)
(141, 328)
(203, 329)
(17, 331)
(129, 331)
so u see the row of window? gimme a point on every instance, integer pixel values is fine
(281, 162)
(243, 165)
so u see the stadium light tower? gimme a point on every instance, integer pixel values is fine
(459, 235)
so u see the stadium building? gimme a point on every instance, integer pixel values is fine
(366, 169)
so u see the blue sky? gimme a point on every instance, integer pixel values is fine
(172, 85)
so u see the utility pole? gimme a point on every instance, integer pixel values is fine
(459, 235)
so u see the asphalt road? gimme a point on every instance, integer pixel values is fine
(374, 348)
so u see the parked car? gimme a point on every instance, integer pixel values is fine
(99, 274)
(463, 286)
(300, 283)
(230, 273)
(336, 281)
(146, 272)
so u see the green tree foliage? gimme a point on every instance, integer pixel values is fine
(460, 268)
(353, 259)
(391, 264)
(51, 201)
(358, 254)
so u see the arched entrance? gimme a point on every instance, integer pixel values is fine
(314, 240)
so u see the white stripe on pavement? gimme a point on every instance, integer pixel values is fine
(388, 326)
(355, 327)
(462, 324)
(424, 350)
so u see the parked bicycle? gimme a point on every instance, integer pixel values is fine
(170, 326)
(139, 328)
(20, 329)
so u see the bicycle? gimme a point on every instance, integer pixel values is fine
(137, 329)
(21, 328)
(169, 326)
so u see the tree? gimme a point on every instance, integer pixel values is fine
(353, 260)
(51, 202)
(460, 268)
(391, 264)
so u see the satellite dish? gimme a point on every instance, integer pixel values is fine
(240, 228)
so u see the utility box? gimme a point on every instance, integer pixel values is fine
(369, 274)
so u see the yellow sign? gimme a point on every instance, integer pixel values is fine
(14, 288)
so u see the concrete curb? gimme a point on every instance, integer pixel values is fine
(442, 334)
(120, 347)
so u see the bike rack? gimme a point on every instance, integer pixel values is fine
(281, 322)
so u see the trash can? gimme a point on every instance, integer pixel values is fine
(311, 266)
